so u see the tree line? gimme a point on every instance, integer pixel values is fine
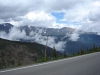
(55, 56)
(80, 52)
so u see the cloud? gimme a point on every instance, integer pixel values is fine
(89, 23)
(84, 17)
(77, 13)
(74, 37)
(15, 9)
(94, 15)
(41, 19)
(14, 34)
(17, 35)
(18, 8)
(3, 34)
(58, 5)
(37, 37)
(92, 21)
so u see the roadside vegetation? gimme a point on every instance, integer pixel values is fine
(34, 54)
(65, 55)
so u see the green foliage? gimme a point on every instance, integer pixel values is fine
(54, 53)
(81, 52)
(19, 64)
(87, 51)
(65, 54)
(42, 60)
(35, 48)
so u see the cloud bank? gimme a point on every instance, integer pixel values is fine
(77, 13)
(17, 35)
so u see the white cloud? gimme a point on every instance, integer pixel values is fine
(38, 13)
(16, 34)
(76, 14)
(41, 19)
(3, 35)
(96, 3)
(74, 36)
(37, 37)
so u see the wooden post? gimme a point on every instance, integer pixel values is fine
(46, 48)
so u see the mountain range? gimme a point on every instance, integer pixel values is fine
(50, 31)
(60, 37)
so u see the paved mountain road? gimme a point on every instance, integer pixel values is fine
(81, 65)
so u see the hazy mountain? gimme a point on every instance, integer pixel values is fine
(49, 31)
(85, 41)
(61, 41)
(5, 27)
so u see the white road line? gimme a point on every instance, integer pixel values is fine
(43, 63)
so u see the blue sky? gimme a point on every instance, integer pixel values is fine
(58, 15)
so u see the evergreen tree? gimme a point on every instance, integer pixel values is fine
(73, 52)
(94, 47)
(90, 50)
(78, 53)
(87, 50)
(54, 53)
(65, 54)
(19, 64)
(81, 51)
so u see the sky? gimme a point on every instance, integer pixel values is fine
(79, 14)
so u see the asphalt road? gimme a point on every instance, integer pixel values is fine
(81, 65)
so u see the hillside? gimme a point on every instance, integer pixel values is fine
(21, 53)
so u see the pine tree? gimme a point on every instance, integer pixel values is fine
(87, 50)
(73, 52)
(65, 54)
(81, 51)
(19, 64)
(54, 53)
(94, 47)
(90, 50)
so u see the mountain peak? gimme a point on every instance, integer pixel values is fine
(5, 27)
